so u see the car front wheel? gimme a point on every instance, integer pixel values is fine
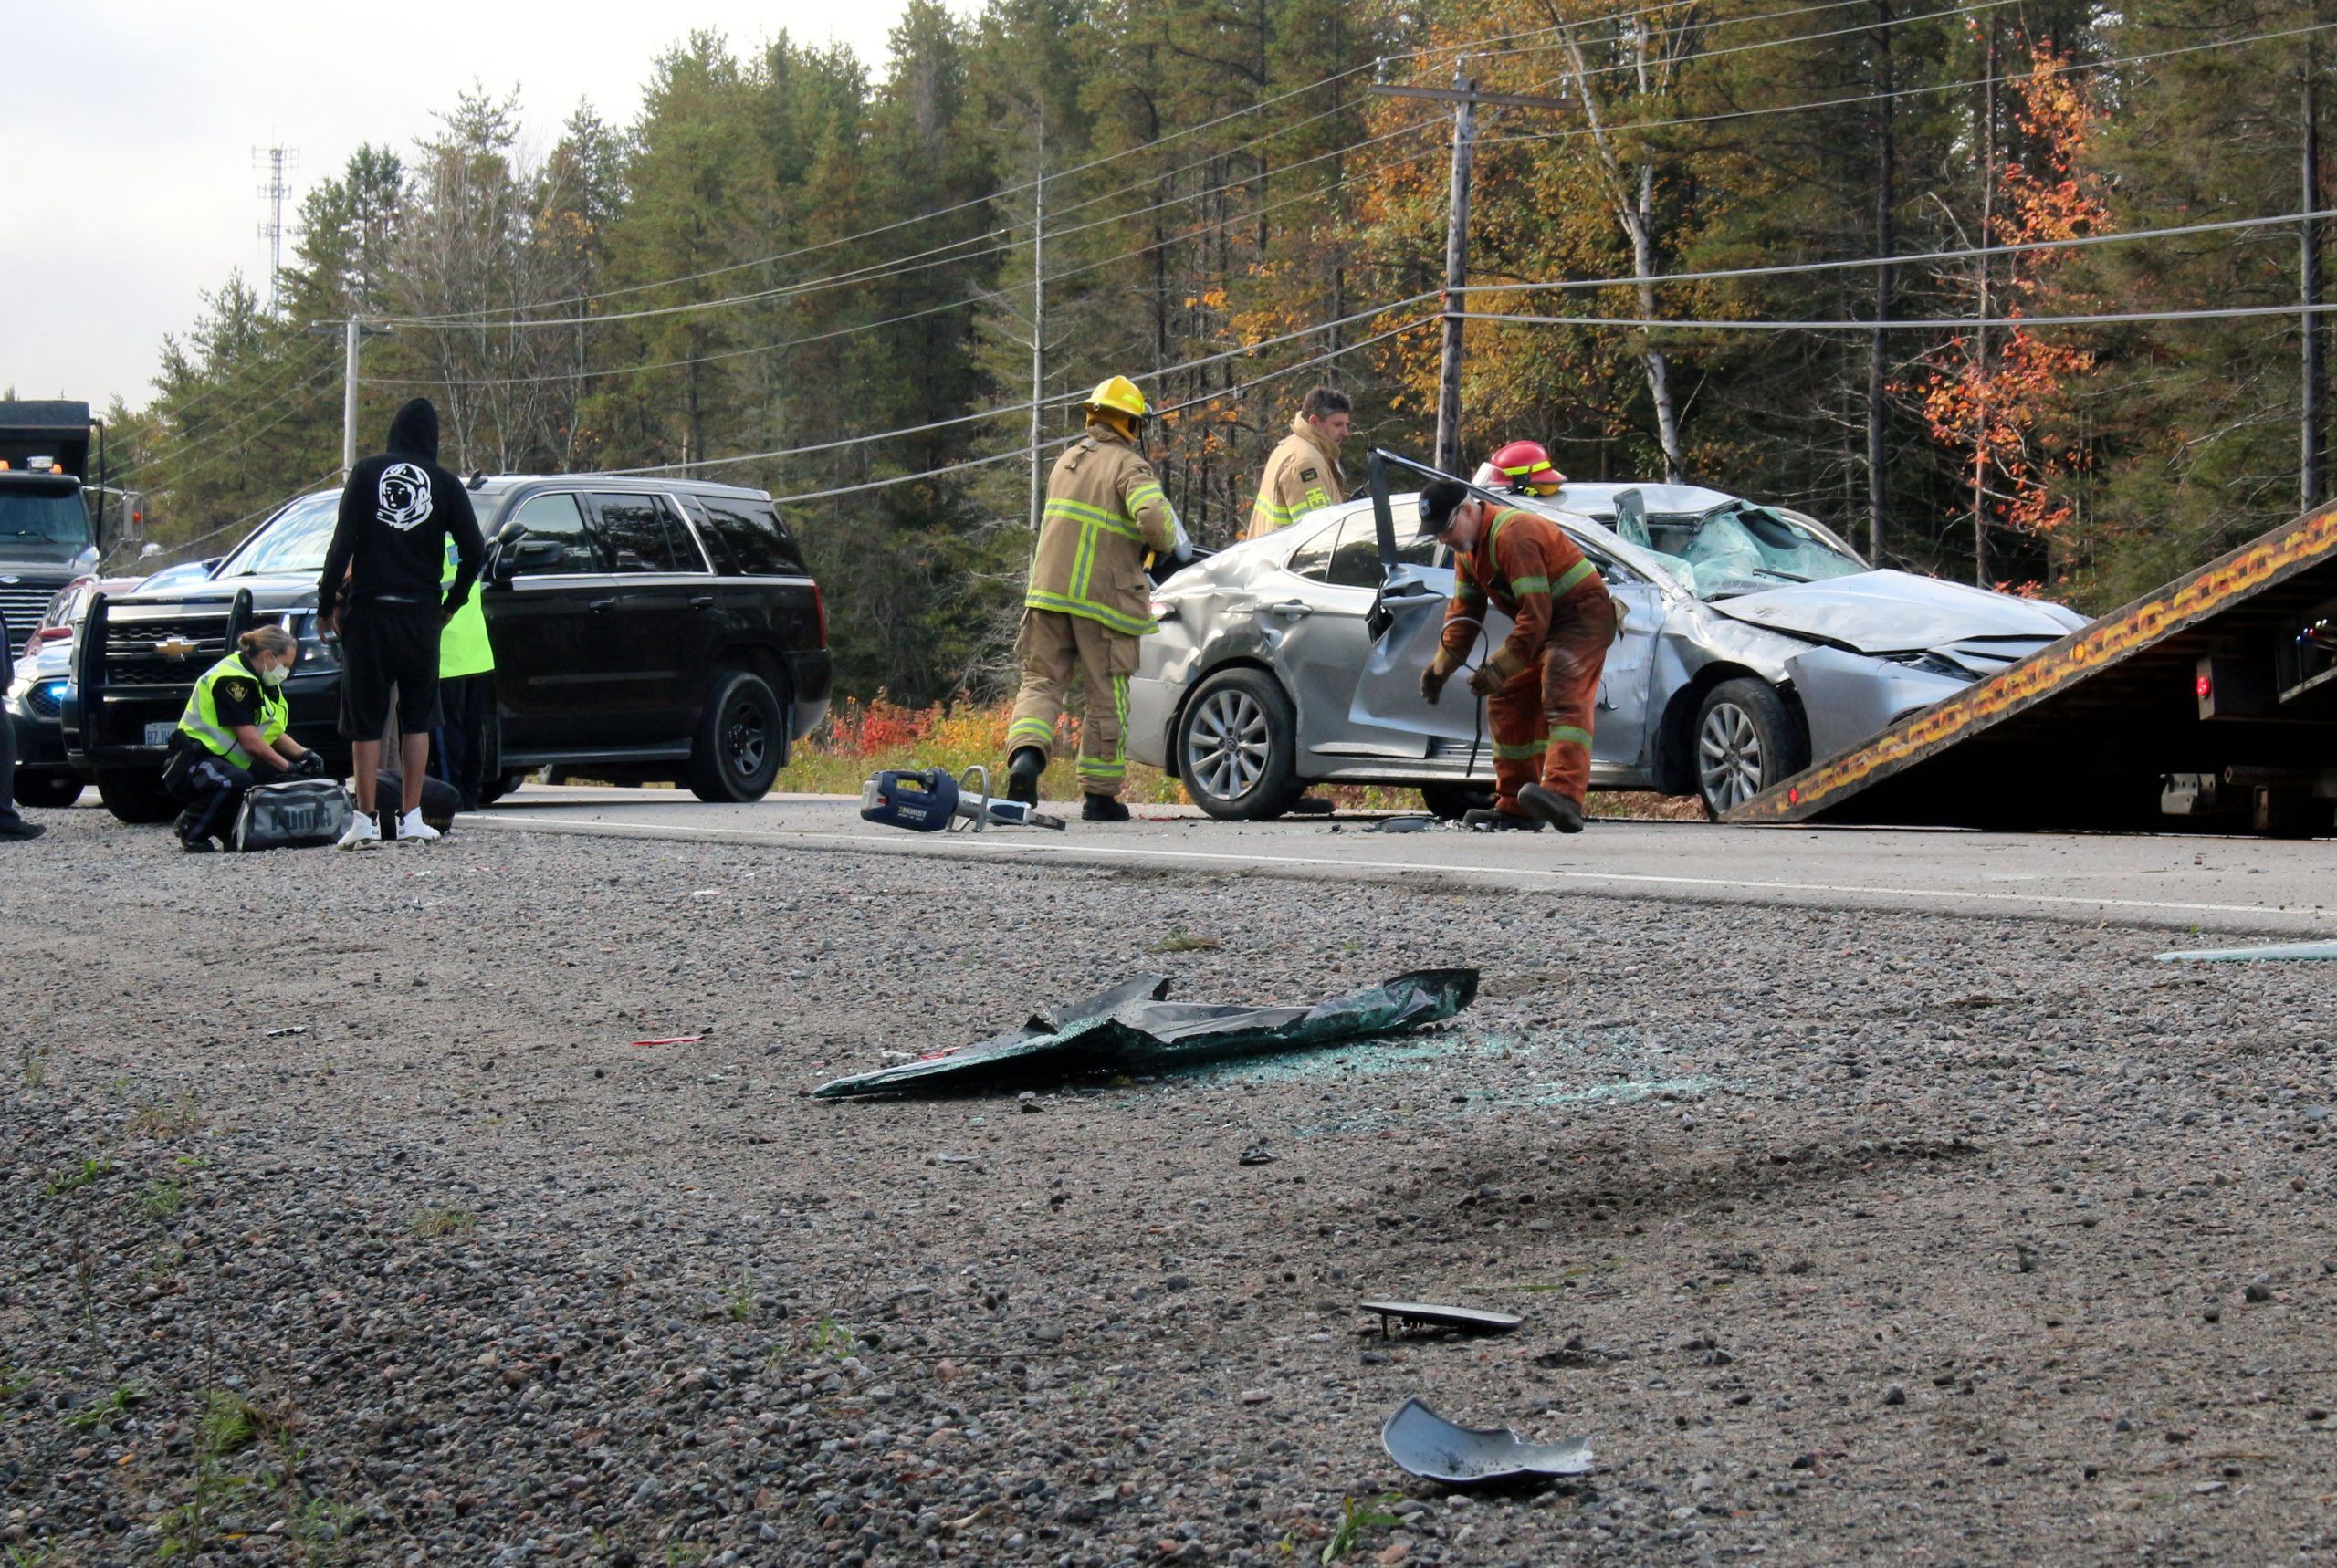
(1237, 749)
(136, 794)
(1746, 739)
(740, 738)
(51, 790)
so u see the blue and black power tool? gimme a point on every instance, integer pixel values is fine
(929, 800)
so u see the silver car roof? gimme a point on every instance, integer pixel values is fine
(1597, 500)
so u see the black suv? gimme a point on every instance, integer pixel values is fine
(643, 629)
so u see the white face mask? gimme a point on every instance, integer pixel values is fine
(274, 675)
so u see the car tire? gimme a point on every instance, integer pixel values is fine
(49, 789)
(1745, 739)
(501, 784)
(136, 794)
(740, 738)
(1237, 748)
(1453, 802)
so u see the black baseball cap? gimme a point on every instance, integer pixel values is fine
(1438, 501)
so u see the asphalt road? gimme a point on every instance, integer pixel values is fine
(2178, 882)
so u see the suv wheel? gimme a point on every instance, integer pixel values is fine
(136, 794)
(1745, 740)
(492, 789)
(51, 790)
(1453, 802)
(1237, 749)
(740, 738)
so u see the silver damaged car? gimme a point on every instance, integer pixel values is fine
(1752, 640)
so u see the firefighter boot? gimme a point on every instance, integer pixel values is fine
(1022, 771)
(1559, 811)
(1101, 809)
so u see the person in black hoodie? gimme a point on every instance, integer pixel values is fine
(382, 588)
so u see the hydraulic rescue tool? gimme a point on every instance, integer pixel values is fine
(929, 800)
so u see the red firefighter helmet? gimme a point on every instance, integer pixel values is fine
(1525, 468)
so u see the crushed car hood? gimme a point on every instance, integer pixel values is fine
(1897, 611)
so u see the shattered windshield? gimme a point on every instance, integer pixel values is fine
(1738, 548)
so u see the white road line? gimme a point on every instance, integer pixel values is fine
(969, 846)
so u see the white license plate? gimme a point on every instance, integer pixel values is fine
(159, 733)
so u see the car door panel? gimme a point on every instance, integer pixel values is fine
(548, 629)
(662, 621)
(1316, 618)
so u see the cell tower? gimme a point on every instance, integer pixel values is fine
(277, 160)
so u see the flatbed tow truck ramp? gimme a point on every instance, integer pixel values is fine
(2210, 704)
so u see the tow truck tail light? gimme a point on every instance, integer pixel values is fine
(2206, 685)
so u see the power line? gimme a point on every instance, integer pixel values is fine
(1965, 253)
(1023, 407)
(1023, 452)
(1931, 324)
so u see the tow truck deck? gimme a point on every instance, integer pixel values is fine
(2211, 701)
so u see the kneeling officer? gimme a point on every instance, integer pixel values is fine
(232, 737)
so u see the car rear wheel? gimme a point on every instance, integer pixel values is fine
(740, 738)
(1237, 749)
(502, 784)
(50, 789)
(1746, 739)
(1453, 801)
(136, 794)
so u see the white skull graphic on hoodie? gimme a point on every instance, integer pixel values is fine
(403, 498)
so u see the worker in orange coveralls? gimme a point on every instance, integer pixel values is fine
(1541, 686)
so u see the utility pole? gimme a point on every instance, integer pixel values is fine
(1465, 97)
(1456, 273)
(2311, 480)
(1878, 492)
(1980, 336)
(278, 159)
(353, 331)
(1038, 319)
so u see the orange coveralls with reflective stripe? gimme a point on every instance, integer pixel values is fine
(1543, 712)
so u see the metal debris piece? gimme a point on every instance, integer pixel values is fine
(2252, 955)
(1433, 1449)
(1470, 1318)
(673, 1039)
(288, 1028)
(1403, 825)
(1259, 1155)
(1132, 1029)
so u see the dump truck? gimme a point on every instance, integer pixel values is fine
(2209, 704)
(47, 533)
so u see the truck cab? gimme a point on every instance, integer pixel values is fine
(46, 536)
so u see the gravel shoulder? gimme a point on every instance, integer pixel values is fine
(1843, 1236)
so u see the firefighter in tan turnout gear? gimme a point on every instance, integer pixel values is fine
(1089, 601)
(1302, 472)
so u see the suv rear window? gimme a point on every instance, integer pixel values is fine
(641, 535)
(748, 539)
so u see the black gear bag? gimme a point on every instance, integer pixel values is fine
(298, 813)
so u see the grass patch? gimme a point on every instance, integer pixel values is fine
(168, 1119)
(72, 1178)
(1185, 942)
(444, 1222)
(32, 1062)
(104, 1411)
(160, 1199)
(1361, 1516)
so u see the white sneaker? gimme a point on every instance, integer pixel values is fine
(365, 833)
(413, 829)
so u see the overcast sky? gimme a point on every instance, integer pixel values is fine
(126, 131)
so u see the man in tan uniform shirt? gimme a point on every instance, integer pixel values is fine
(1302, 472)
(1089, 602)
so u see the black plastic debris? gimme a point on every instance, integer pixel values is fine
(1258, 1155)
(1402, 825)
(1132, 1028)
(1433, 1449)
(1471, 1319)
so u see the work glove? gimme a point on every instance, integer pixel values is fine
(1484, 680)
(308, 765)
(1432, 683)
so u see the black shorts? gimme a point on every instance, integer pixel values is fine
(386, 646)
